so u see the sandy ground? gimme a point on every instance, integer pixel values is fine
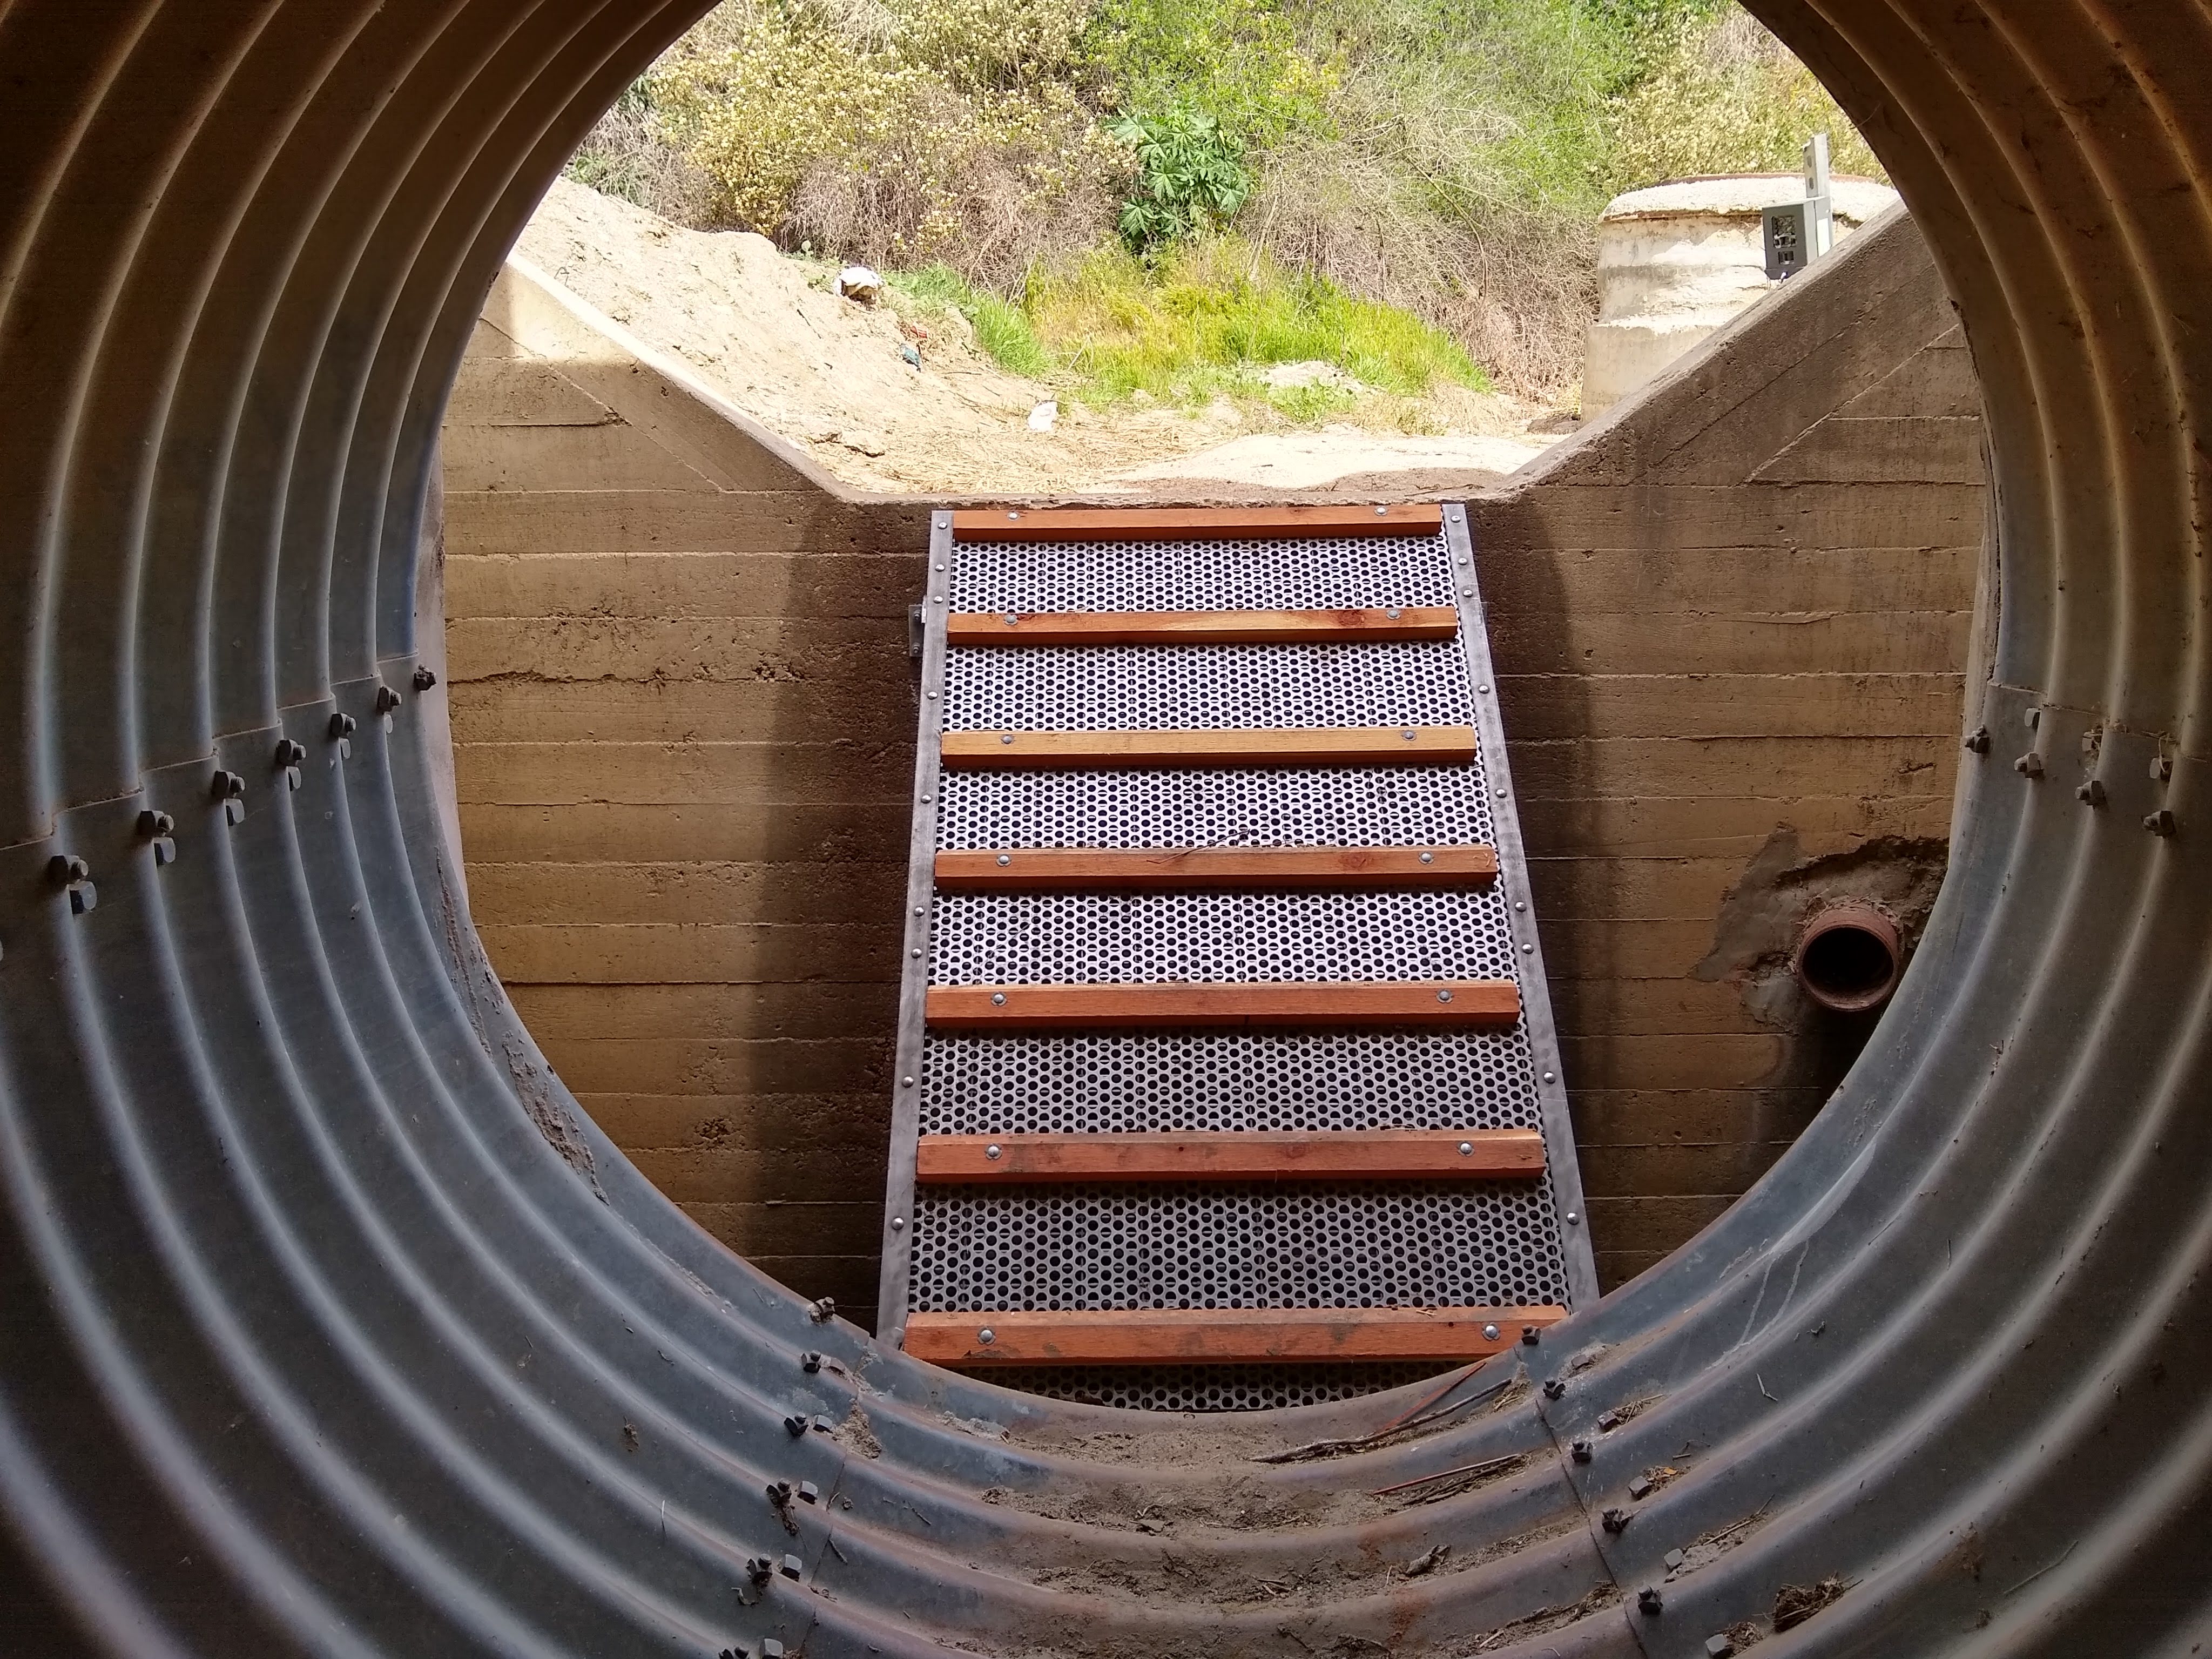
(830, 374)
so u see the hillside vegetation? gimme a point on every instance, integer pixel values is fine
(1158, 198)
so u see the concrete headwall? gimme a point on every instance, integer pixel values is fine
(1730, 621)
(683, 728)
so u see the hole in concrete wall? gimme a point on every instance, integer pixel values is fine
(1815, 945)
(1849, 957)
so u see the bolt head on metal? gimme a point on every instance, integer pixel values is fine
(1444, 996)
(2162, 769)
(1615, 1520)
(793, 1566)
(1407, 734)
(1672, 1559)
(1573, 1220)
(986, 1336)
(779, 1493)
(809, 1492)
(1719, 1647)
(424, 679)
(386, 700)
(810, 1362)
(2029, 765)
(1490, 1333)
(1528, 950)
(1978, 741)
(1006, 737)
(1555, 1387)
(1580, 1451)
(1393, 613)
(898, 1224)
(1006, 858)
(994, 1153)
(2091, 793)
(916, 954)
(759, 1569)
(1549, 1077)
(906, 1083)
(1428, 858)
(2161, 822)
(1648, 1602)
(1013, 622)
(1531, 1335)
(794, 1426)
(998, 999)
(1466, 1148)
(2031, 717)
(1483, 689)
(343, 725)
(61, 869)
(151, 824)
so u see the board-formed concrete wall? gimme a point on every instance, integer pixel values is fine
(1730, 622)
(683, 745)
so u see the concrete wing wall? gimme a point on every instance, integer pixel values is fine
(683, 733)
(1731, 621)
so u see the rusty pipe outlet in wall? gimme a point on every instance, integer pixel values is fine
(1850, 957)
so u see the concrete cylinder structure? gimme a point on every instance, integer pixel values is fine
(1676, 262)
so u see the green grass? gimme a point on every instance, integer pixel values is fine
(1001, 328)
(1210, 317)
(1206, 321)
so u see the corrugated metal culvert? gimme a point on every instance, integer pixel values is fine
(332, 1325)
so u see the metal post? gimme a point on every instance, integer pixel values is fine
(1819, 205)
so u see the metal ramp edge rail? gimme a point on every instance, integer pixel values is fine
(1047, 635)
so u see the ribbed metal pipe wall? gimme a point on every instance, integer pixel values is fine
(313, 1338)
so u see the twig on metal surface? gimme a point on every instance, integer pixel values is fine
(2046, 1567)
(1483, 1468)
(1420, 1405)
(1333, 1448)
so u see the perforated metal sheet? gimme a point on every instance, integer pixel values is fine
(1198, 807)
(1364, 1244)
(1107, 938)
(1314, 573)
(1171, 1245)
(1209, 1388)
(1125, 1083)
(1105, 687)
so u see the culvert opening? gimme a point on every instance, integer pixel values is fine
(767, 898)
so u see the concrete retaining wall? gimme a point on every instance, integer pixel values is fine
(1730, 622)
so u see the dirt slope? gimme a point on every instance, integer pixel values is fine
(829, 374)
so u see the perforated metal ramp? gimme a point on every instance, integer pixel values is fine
(1226, 1076)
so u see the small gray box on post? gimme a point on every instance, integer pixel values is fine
(1789, 236)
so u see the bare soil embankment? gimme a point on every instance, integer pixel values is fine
(898, 402)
